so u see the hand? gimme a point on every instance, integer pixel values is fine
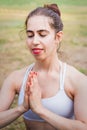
(25, 105)
(34, 92)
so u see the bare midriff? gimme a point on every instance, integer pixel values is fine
(36, 125)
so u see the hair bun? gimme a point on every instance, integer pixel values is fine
(53, 7)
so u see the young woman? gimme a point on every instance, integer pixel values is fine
(52, 94)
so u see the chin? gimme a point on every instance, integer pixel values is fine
(39, 58)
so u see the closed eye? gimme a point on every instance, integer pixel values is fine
(43, 33)
(30, 34)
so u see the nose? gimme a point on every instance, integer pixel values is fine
(36, 40)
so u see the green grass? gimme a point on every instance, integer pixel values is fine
(3, 41)
(82, 70)
(28, 3)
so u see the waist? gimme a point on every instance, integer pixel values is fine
(36, 125)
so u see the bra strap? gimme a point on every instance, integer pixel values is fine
(62, 76)
(21, 94)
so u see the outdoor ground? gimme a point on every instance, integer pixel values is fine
(15, 55)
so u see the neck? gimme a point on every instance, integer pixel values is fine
(48, 65)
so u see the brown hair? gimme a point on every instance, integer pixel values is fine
(52, 11)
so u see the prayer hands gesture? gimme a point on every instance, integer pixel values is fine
(32, 98)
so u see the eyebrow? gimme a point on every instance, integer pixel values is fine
(42, 30)
(29, 31)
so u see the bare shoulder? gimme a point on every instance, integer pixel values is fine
(14, 80)
(77, 79)
(10, 88)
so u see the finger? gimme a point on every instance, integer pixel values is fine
(32, 73)
(26, 89)
(35, 73)
(31, 88)
(33, 77)
(30, 77)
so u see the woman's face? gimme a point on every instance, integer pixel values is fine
(41, 38)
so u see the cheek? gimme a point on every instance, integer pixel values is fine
(51, 45)
(50, 42)
(28, 43)
(51, 39)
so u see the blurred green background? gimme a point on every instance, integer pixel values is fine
(23, 4)
(13, 51)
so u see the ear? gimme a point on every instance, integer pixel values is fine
(59, 36)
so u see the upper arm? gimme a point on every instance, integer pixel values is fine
(7, 93)
(80, 98)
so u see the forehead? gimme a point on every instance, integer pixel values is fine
(39, 23)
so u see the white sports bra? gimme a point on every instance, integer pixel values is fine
(59, 104)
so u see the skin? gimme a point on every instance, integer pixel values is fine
(46, 68)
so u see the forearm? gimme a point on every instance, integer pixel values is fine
(8, 116)
(61, 123)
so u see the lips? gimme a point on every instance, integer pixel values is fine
(36, 51)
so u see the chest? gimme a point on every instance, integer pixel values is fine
(49, 85)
